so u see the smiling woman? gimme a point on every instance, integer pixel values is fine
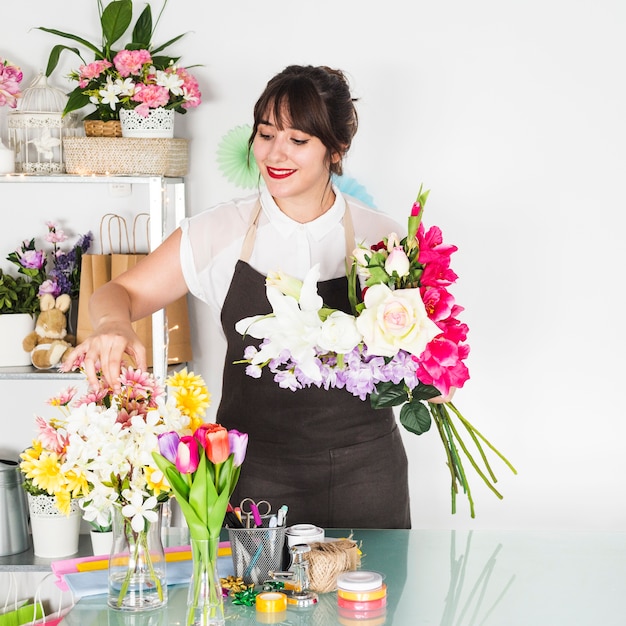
(306, 450)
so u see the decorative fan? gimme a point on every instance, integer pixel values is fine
(234, 158)
(352, 187)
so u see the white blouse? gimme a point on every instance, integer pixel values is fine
(211, 242)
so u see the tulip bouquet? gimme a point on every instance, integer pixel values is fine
(403, 344)
(202, 470)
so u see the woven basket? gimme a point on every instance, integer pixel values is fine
(98, 128)
(125, 155)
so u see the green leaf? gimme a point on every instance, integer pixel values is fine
(352, 289)
(76, 100)
(377, 276)
(424, 392)
(55, 53)
(115, 21)
(142, 33)
(168, 43)
(389, 394)
(84, 42)
(415, 417)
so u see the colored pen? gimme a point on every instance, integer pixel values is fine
(256, 515)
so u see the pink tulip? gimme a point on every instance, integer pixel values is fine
(187, 455)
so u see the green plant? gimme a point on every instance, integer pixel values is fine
(115, 20)
(18, 295)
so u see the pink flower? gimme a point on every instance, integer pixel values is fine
(187, 455)
(238, 444)
(214, 439)
(33, 259)
(129, 62)
(152, 95)
(438, 302)
(10, 78)
(191, 89)
(441, 364)
(51, 439)
(86, 73)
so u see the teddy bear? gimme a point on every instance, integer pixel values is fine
(49, 344)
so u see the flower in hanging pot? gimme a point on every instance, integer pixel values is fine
(136, 76)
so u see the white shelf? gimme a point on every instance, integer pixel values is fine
(158, 188)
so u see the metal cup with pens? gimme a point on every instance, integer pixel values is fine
(257, 545)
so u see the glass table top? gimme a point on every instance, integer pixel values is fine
(449, 578)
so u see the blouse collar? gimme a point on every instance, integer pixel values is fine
(318, 228)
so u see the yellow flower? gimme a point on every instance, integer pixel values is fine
(77, 484)
(63, 501)
(193, 402)
(45, 472)
(155, 479)
(185, 380)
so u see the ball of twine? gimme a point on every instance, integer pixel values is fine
(329, 559)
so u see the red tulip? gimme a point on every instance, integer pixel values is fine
(214, 440)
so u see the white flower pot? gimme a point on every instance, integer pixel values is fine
(101, 542)
(158, 123)
(54, 534)
(13, 328)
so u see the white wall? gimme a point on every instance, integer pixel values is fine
(513, 115)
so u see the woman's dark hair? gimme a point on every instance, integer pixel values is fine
(315, 100)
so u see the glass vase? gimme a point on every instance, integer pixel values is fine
(205, 602)
(136, 565)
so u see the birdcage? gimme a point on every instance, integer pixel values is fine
(37, 128)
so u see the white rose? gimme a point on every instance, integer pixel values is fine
(395, 320)
(339, 333)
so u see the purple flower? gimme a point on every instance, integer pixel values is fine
(33, 259)
(168, 445)
(238, 445)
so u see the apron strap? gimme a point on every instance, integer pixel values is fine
(248, 241)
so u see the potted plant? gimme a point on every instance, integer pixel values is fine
(19, 295)
(133, 77)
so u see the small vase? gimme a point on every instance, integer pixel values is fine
(101, 542)
(13, 329)
(136, 565)
(54, 533)
(205, 602)
(158, 123)
(7, 159)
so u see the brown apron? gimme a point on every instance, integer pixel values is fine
(331, 458)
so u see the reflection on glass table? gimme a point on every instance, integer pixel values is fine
(450, 578)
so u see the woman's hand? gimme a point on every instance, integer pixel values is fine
(443, 399)
(107, 349)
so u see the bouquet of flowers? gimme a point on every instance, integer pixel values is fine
(136, 77)
(203, 471)
(21, 295)
(10, 79)
(106, 440)
(403, 344)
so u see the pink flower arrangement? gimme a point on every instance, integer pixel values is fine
(132, 81)
(10, 79)
(404, 344)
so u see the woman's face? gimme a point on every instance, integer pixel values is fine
(294, 166)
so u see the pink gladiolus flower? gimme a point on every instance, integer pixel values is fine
(441, 366)
(416, 209)
(238, 443)
(438, 302)
(187, 455)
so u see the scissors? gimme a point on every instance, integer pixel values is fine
(253, 509)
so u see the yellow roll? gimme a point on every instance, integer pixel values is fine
(271, 602)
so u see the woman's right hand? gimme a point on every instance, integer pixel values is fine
(109, 347)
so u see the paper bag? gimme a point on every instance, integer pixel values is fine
(98, 269)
